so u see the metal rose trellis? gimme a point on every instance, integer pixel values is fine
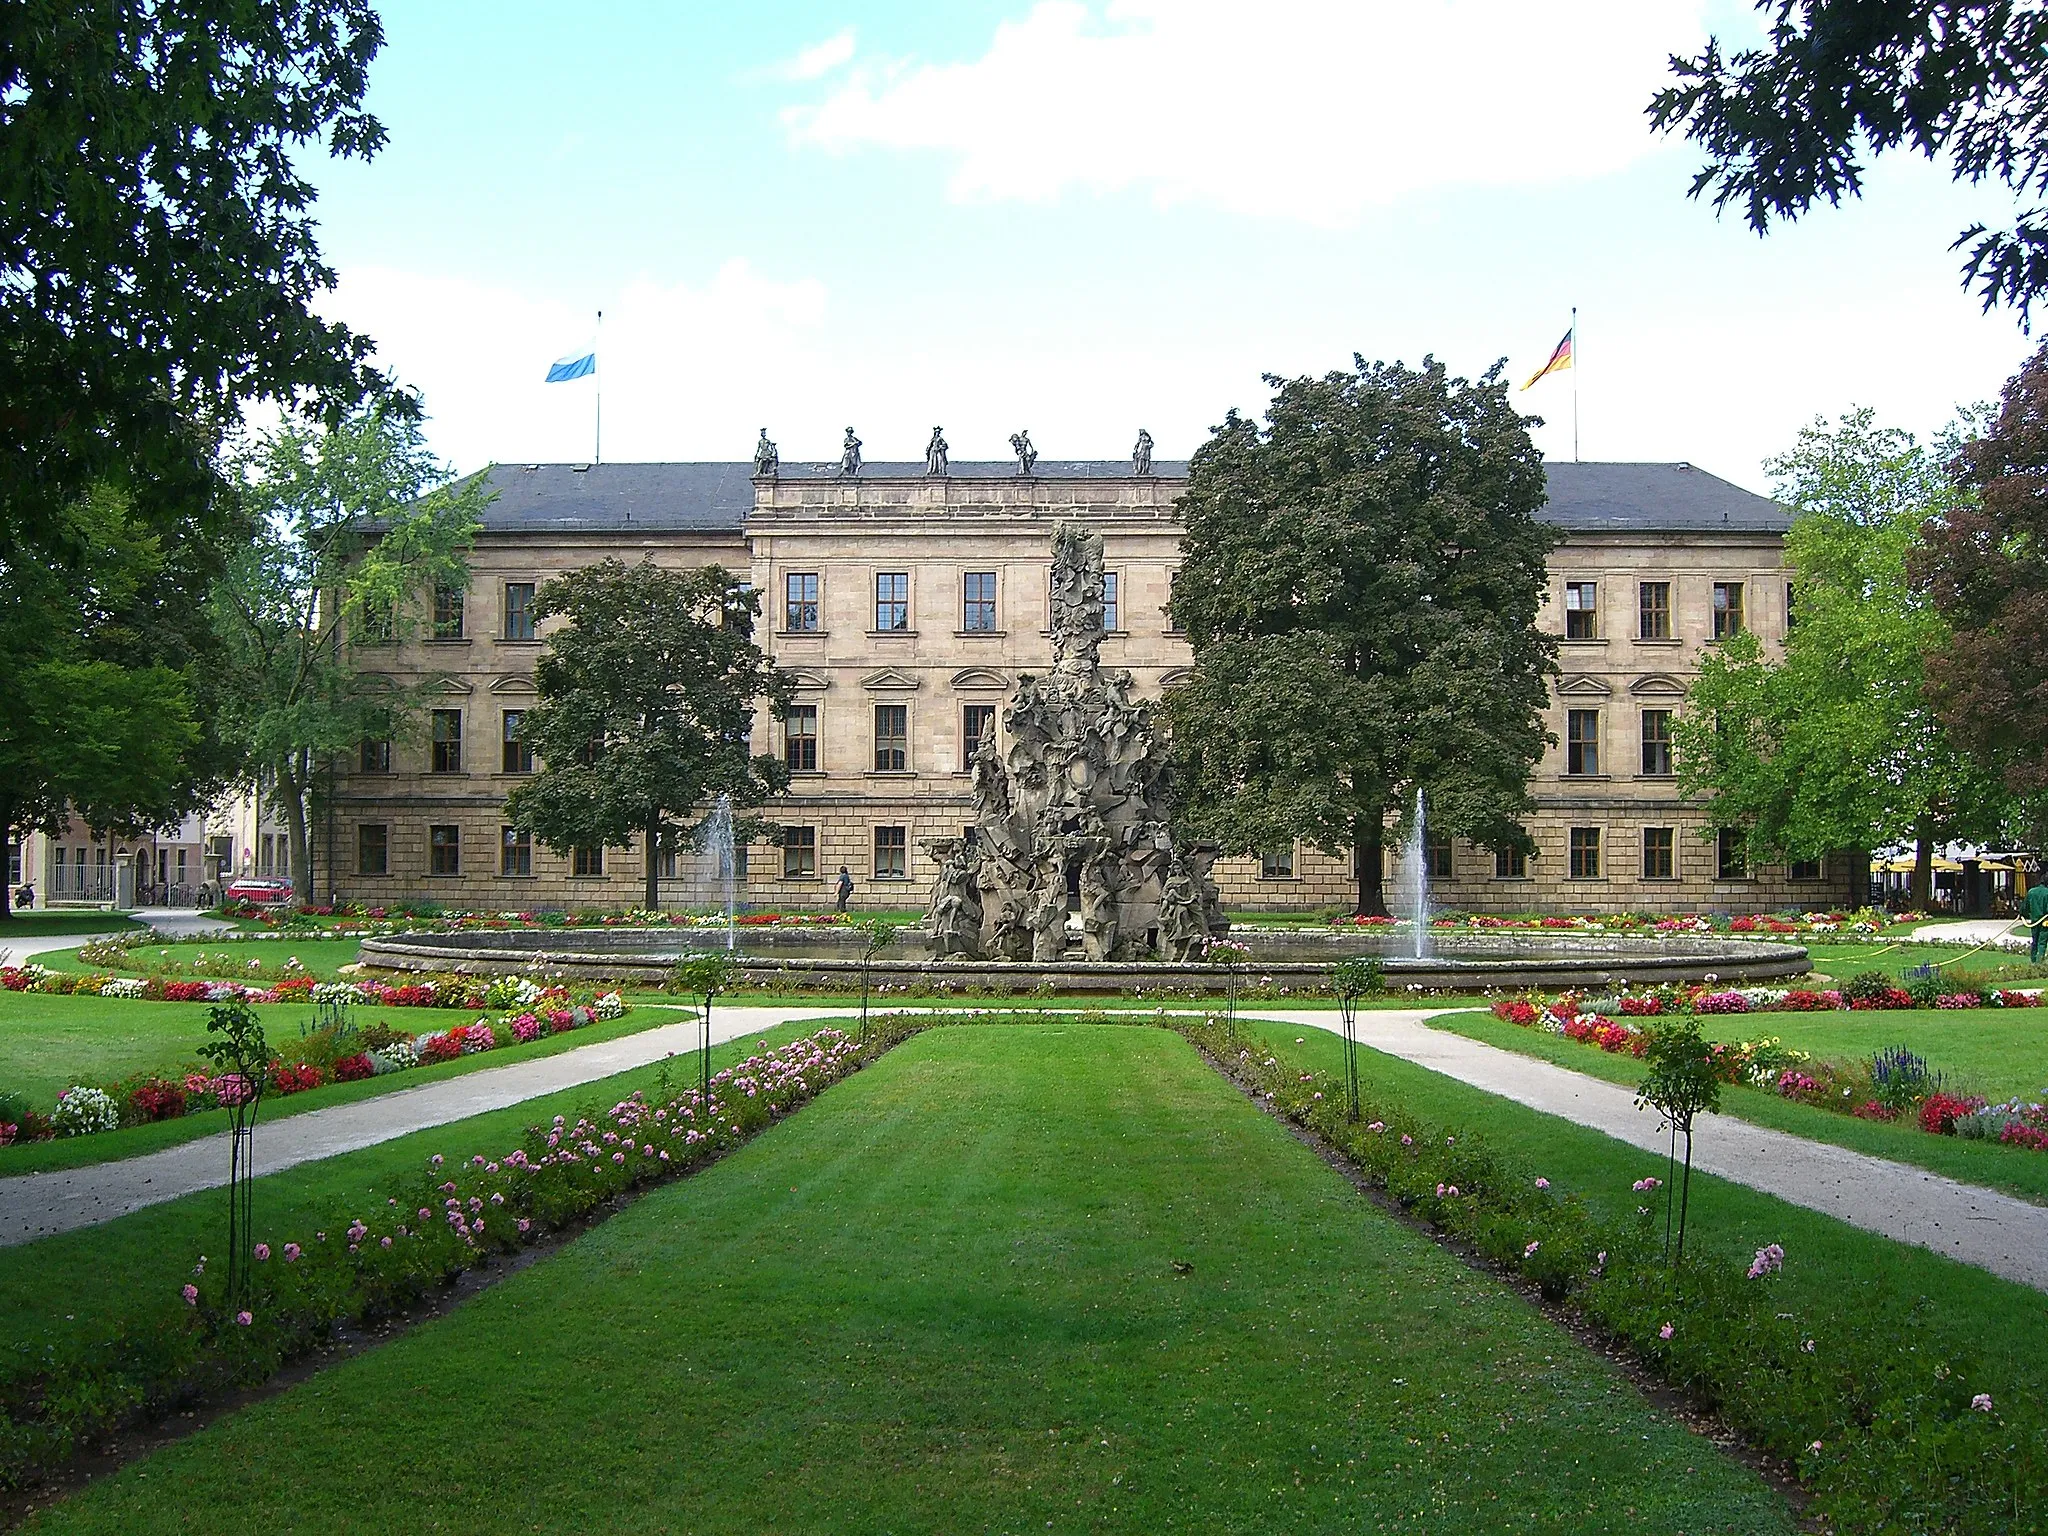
(1231, 955)
(705, 976)
(1353, 979)
(242, 1059)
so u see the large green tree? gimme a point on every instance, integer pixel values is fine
(1833, 745)
(158, 261)
(1788, 125)
(646, 709)
(351, 530)
(1984, 564)
(1360, 583)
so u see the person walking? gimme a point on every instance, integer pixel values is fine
(2036, 910)
(845, 889)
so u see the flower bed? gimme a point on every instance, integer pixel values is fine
(427, 992)
(1813, 925)
(359, 920)
(373, 1262)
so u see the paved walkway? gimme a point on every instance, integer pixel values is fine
(2002, 932)
(1992, 1231)
(42, 1204)
(179, 922)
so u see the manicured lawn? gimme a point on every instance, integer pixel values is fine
(38, 923)
(943, 1299)
(2012, 1169)
(50, 1043)
(318, 957)
(1894, 957)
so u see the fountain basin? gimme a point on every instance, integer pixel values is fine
(829, 959)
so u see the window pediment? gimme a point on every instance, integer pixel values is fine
(456, 687)
(516, 682)
(805, 678)
(980, 677)
(1178, 677)
(1657, 685)
(889, 680)
(1583, 685)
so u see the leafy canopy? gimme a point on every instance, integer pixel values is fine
(1360, 584)
(646, 709)
(1834, 745)
(1789, 124)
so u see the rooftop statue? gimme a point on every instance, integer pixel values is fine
(1080, 798)
(1027, 456)
(1141, 456)
(849, 455)
(935, 455)
(767, 462)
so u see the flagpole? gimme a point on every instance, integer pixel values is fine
(597, 382)
(1575, 383)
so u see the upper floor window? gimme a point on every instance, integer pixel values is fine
(1582, 741)
(375, 623)
(447, 737)
(892, 738)
(1657, 743)
(1727, 609)
(800, 602)
(978, 601)
(800, 739)
(1581, 610)
(518, 755)
(447, 612)
(376, 754)
(519, 620)
(1112, 611)
(976, 721)
(892, 600)
(1791, 610)
(1653, 610)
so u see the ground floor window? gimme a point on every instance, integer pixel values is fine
(1730, 858)
(976, 721)
(373, 849)
(892, 854)
(1585, 854)
(799, 853)
(1660, 853)
(13, 862)
(1277, 865)
(1510, 864)
(586, 861)
(515, 851)
(444, 850)
(1436, 849)
(1808, 869)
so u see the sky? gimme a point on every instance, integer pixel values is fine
(1083, 217)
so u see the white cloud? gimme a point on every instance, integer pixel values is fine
(1314, 109)
(816, 61)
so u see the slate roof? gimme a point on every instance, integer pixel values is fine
(715, 498)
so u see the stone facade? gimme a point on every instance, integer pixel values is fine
(906, 605)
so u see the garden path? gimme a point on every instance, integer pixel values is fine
(43, 1204)
(1993, 1231)
(2001, 931)
(180, 922)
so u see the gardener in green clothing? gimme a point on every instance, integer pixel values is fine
(2037, 919)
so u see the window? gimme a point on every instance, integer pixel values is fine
(800, 602)
(978, 601)
(375, 624)
(1582, 741)
(1808, 870)
(517, 755)
(892, 856)
(799, 853)
(1731, 861)
(1582, 610)
(892, 600)
(373, 849)
(519, 621)
(444, 850)
(586, 861)
(1791, 612)
(447, 613)
(1585, 854)
(515, 851)
(1727, 609)
(1278, 865)
(13, 862)
(892, 738)
(1436, 853)
(976, 721)
(1660, 846)
(800, 739)
(376, 755)
(1653, 610)
(1112, 612)
(1657, 743)
(447, 741)
(1510, 864)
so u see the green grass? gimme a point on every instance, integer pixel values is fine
(39, 923)
(178, 1028)
(2011, 1169)
(319, 957)
(941, 1299)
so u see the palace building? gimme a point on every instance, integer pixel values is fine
(905, 604)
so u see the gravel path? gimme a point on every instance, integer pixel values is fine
(41, 1204)
(1993, 1231)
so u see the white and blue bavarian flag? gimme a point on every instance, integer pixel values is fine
(575, 366)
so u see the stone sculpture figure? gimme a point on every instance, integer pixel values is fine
(1141, 456)
(849, 455)
(935, 455)
(1027, 456)
(767, 462)
(1080, 784)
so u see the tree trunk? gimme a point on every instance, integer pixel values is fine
(7, 885)
(1368, 845)
(653, 894)
(290, 797)
(1923, 863)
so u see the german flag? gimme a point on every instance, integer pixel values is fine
(1560, 360)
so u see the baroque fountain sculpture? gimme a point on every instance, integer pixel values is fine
(1082, 799)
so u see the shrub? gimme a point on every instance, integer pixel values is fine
(287, 1077)
(157, 1099)
(1901, 1078)
(352, 1069)
(1938, 1115)
(85, 1112)
(1868, 987)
